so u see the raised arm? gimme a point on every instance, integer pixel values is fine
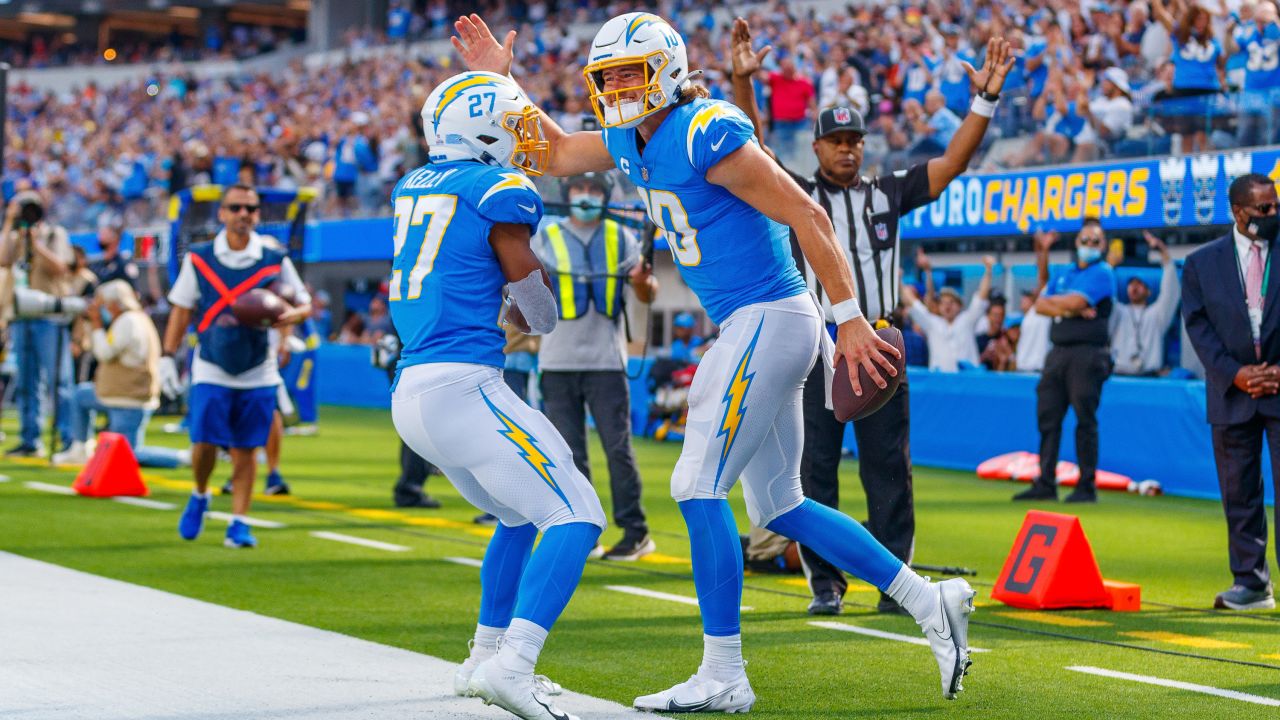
(570, 153)
(755, 179)
(745, 64)
(1170, 289)
(942, 170)
(1162, 15)
(1043, 243)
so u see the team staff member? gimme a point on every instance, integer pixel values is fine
(1079, 302)
(592, 260)
(865, 212)
(233, 375)
(1227, 286)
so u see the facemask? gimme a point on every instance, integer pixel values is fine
(1265, 228)
(1088, 255)
(585, 208)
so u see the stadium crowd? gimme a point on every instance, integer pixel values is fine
(1092, 80)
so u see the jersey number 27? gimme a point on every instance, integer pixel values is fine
(410, 213)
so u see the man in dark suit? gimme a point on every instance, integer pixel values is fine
(1229, 304)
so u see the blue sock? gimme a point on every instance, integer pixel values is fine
(504, 563)
(554, 571)
(841, 540)
(717, 564)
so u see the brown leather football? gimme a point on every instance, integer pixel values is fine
(848, 406)
(258, 308)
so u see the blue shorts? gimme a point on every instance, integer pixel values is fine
(231, 418)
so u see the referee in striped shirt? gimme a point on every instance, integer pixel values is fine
(865, 212)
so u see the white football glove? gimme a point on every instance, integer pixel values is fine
(170, 383)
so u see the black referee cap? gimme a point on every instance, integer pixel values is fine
(839, 119)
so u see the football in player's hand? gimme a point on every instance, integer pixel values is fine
(848, 406)
(258, 308)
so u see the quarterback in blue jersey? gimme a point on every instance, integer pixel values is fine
(463, 267)
(724, 207)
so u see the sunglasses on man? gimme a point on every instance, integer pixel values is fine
(236, 208)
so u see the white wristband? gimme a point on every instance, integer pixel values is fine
(843, 312)
(983, 107)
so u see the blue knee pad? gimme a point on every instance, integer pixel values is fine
(840, 539)
(500, 573)
(554, 571)
(717, 564)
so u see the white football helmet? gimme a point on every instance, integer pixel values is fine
(486, 117)
(636, 39)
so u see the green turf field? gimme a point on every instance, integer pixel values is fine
(617, 645)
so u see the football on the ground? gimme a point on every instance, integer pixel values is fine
(285, 291)
(258, 308)
(848, 406)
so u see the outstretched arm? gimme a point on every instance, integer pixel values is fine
(571, 153)
(751, 176)
(942, 170)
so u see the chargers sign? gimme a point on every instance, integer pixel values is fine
(1171, 192)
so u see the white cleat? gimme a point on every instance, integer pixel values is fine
(948, 633)
(699, 694)
(462, 677)
(517, 693)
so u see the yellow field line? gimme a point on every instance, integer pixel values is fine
(1054, 619)
(1194, 641)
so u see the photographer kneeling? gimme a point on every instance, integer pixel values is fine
(127, 384)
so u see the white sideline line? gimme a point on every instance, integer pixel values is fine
(353, 540)
(1178, 685)
(251, 522)
(654, 594)
(469, 562)
(143, 502)
(882, 634)
(46, 487)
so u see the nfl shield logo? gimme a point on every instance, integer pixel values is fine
(842, 116)
(644, 174)
(882, 232)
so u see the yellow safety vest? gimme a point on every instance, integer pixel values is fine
(576, 290)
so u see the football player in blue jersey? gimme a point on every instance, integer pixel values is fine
(462, 228)
(724, 207)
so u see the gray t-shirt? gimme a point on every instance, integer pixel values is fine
(592, 341)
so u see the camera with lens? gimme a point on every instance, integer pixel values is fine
(29, 304)
(30, 213)
(30, 209)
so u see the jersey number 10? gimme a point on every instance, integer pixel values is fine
(668, 213)
(412, 212)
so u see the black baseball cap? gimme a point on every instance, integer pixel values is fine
(839, 119)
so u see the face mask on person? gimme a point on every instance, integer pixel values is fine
(585, 207)
(1265, 228)
(1088, 254)
(105, 315)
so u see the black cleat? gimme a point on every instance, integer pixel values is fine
(826, 603)
(1083, 495)
(1038, 492)
(421, 500)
